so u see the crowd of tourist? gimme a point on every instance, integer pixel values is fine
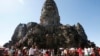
(35, 51)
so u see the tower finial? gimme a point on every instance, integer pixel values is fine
(49, 13)
(48, 0)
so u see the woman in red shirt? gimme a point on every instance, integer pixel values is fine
(80, 51)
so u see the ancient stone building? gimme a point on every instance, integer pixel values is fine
(49, 33)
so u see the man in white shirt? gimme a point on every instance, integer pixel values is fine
(86, 52)
(31, 51)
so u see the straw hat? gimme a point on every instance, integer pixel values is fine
(24, 47)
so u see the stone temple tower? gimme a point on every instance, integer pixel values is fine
(49, 14)
(49, 34)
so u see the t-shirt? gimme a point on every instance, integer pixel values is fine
(31, 51)
(80, 51)
(85, 51)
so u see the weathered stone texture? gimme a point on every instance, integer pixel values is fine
(50, 33)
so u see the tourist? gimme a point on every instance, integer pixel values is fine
(19, 52)
(16, 52)
(66, 52)
(31, 51)
(1, 51)
(44, 52)
(73, 52)
(52, 52)
(90, 51)
(80, 51)
(12, 50)
(47, 53)
(85, 52)
(99, 51)
(36, 51)
(93, 52)
(24, 51)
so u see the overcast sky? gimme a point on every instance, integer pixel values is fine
(13, 12)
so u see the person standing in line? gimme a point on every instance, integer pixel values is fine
(99, 51)
(31, 51)
(24, 51)
(80, 51)
(36, 51)
(85, 52)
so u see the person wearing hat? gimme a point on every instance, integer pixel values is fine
(24, 51)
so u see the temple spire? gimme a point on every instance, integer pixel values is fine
(48, 0)
(49, 13)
